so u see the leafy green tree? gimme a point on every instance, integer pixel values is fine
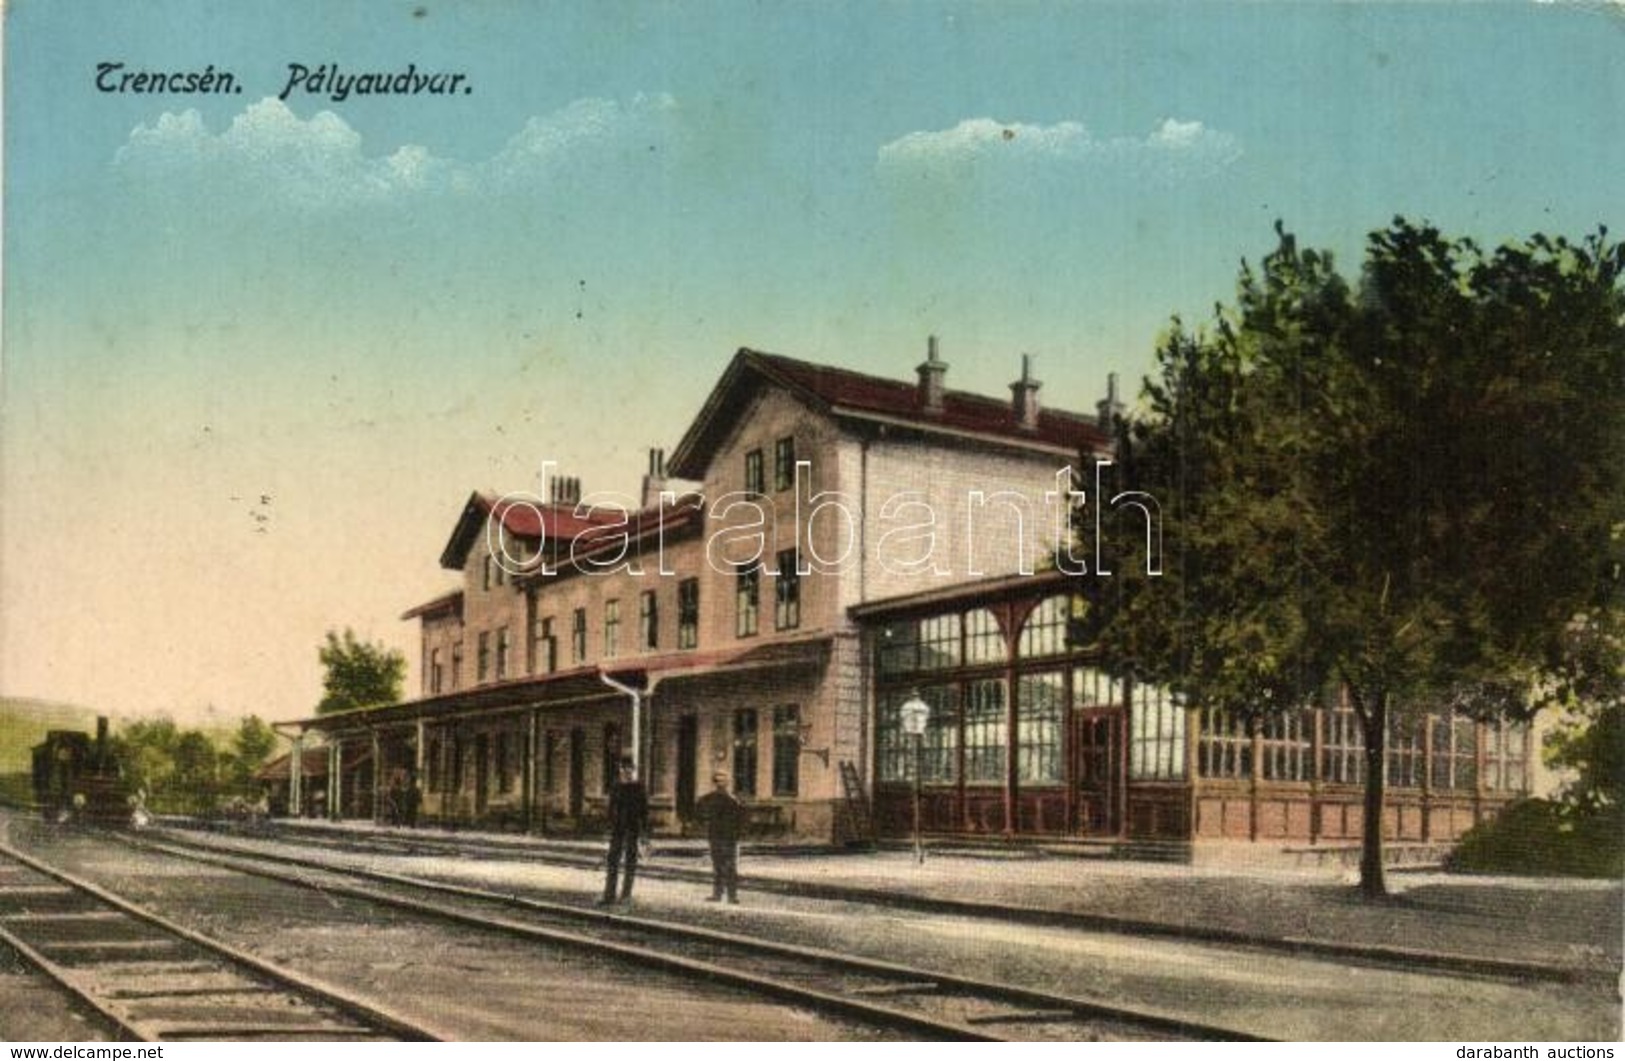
(146, 753)
(195, 782)
(359, 674)
(251, 746)
(1410, 489)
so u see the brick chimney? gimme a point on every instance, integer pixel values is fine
(1024, 396)
(1109, 409)
(932, 372)
(654, 480)
(564, 490)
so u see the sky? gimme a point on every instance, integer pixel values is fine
(258, 347)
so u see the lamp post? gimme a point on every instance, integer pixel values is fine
(914, 713)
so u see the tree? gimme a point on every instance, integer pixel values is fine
(358, 674)
(251, 745)
(146, 754)
(195, 783)
(1410, 490)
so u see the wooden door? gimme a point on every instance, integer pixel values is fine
(688, 758)
(1097, 750)
(578, 780)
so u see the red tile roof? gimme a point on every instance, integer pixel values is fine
(522, 518)
(611, 535)
(858, 395)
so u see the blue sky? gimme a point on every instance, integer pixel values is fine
(364, 309)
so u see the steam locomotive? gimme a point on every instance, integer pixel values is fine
(78, 779)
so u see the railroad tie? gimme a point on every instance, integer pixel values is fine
(923, 987)
(1023, 1016)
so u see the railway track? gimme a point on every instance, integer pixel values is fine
(884, 994)
(157, 981)
(1378, 956)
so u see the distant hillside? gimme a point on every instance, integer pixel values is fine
(24, 722)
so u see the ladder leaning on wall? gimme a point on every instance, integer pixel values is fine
(859, 824)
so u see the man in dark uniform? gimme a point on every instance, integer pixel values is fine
(724, 817)
(628, 821)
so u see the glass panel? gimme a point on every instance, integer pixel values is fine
(1287, 748)
(985, 729)
(1044, 633)
(908, 646)
(1342, 753)
(891, 752)
(1466, 752)
(1226, 748)
(786, 750)
(745, 752)
(1156, 734)
(1040, 705)
(984, 641)
(1092, 687)
(1407, 749)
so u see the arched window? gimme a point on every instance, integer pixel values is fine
(984, 640)
(1044, 633)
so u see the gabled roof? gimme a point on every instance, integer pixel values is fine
(857, 396)
(523, 519)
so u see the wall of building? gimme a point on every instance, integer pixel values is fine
(491, 606)
(992, 511)
(442, 634)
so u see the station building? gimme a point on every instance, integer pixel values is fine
(821, 546)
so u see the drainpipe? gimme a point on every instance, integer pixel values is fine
(637, 696)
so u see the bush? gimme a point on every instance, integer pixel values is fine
(1542, 838)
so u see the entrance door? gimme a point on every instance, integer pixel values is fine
(688, 757)
(1097, 749)
(482, 773)
(578, 781)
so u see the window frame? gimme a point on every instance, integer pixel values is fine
(688, 613)
(649, 620)
(786, 780)
(545, 645)
(755, 473)
(746, 724)
(787, 591)
(578, 636)
(747, 600)
(784, 463)
(612, 628)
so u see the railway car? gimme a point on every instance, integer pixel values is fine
(77, 778)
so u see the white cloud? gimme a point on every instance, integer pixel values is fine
(546, 141)
(979, 136)
(318, 162)
(1174, 147)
